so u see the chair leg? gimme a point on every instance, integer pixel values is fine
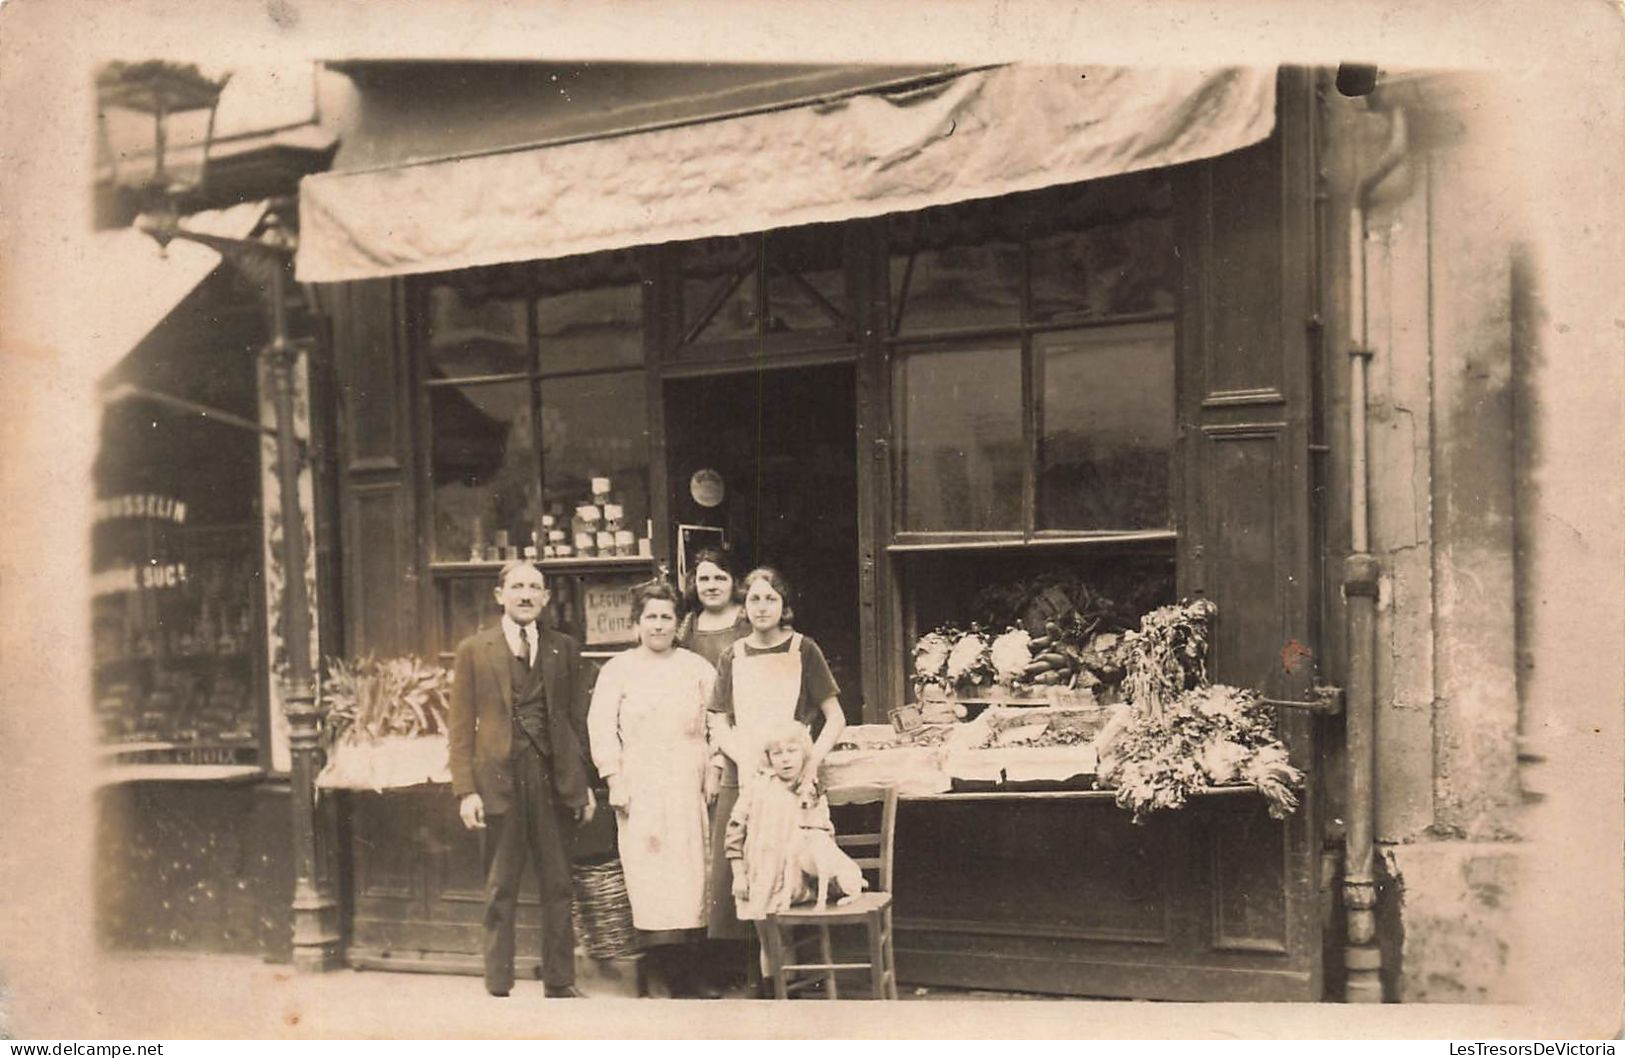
(827, 949)
(877, 955)
(888, 944)
(767, 931)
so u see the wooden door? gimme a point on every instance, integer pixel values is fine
(1247, 344)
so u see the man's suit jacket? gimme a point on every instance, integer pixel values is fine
(482, 728)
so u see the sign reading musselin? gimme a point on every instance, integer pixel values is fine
(143, 505)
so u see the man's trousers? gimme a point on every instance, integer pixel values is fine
(534, 827)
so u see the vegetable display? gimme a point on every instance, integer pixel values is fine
(1161, 731)
(370, 698)
(1211, 736)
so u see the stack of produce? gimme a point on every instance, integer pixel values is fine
(1213, 736)
(1167, 656)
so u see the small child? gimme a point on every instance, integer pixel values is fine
(780, 842)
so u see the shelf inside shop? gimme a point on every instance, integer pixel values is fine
(920, 542)
(562, 565)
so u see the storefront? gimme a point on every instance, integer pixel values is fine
(193, 816)
(970, 371)
(190, 837)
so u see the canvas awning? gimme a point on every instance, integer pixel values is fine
(138, 284)
(978, 135)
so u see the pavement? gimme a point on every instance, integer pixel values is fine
(186, 996)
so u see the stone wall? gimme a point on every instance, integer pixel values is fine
(1442, 237)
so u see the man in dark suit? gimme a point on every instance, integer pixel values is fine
(519, 769)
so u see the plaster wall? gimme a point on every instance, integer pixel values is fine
(1442, 240)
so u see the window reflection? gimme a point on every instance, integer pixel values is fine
(585, 329)
(470, 338)
(596, 427)
(806, 281)
(1107, 427)
(719, 289)
(486, 486)
(959, 421)
(1114, 270)
(957, 286)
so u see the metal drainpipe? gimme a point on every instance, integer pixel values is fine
(1361, 572)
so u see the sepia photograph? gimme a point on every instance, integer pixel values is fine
(1168, 459)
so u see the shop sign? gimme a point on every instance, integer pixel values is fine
(134, 578)
(145, 505)
(608, 607)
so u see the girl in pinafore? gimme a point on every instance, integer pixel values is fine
(773, 675)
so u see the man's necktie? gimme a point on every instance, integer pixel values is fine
(524, 644)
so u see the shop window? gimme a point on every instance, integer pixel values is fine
(486, 487)
(1033, 350)
(806, 280)
(177, 633)
(519, 440)
(475, 338)
(961, 449)
(585, 330)
(1122, 269)
(955, 267)
(595, 426)
(956, 286)
(720, 295)
(1107, 409)
(783, 282)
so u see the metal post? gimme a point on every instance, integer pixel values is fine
(315, 932)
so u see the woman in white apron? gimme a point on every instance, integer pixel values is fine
(647, 728)
(772, 675)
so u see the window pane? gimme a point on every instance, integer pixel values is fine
(173, 633)
(466, 606)
(585, 329)
(959, 430)
(957, 286)
(806, 280)
(470, 338)
(1112, 270)
(1107, 427)
(596, 427)
(484, 465)
(720, 269)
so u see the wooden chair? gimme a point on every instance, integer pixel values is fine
(792, 969)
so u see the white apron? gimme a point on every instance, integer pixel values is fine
(766, 688)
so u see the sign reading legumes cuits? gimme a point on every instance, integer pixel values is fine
(607, 606)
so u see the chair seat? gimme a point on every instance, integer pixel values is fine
(859, 906)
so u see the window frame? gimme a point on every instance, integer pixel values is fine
(901, 345)
(442, 572)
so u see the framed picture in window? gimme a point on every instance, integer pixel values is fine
(691, 539)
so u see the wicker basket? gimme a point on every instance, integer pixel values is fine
(603, 914)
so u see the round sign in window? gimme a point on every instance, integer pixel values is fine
(706, 487)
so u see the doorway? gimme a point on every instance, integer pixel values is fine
(775, 452)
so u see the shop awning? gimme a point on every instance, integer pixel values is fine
(977, 135)
(143, 283)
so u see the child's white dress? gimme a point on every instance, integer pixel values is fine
(762, 832)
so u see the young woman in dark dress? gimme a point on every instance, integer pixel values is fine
(772, 675)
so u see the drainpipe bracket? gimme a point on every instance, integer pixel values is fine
(1361, 572)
